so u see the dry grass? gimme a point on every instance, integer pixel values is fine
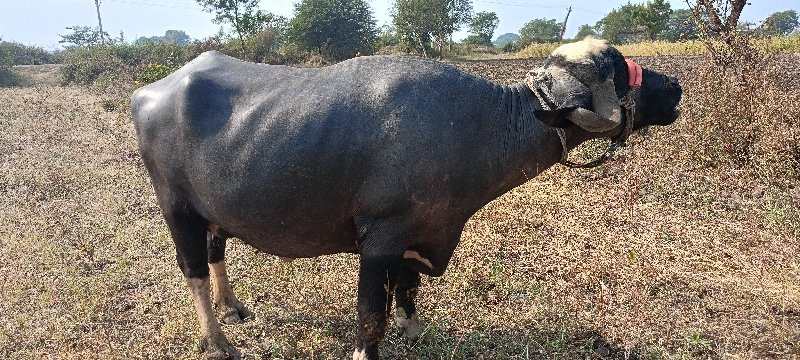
(670, 251)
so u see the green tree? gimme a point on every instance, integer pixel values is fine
(6, 58)
(680, 26)
(176, 37)
(656, 17)
(420, 22)
(539, 31)
(83, 36)
(242, 15)
(459, 12)
(387, 36)
(266, 43)
(635, 22)
(781, 22)
(6, 61)
(415, 21)
(170, 37)
(504, 38)
(336, 29)
(584, 31)
(482, 28)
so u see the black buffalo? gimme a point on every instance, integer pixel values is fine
(383, 156)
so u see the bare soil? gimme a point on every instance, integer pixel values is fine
(659, 254)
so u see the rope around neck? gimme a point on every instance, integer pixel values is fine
(629, 103)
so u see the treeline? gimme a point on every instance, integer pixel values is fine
(333, 30)
(327, 31)
(650, 21)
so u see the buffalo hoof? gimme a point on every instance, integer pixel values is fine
(359, 355)
(234, 312)
(410, 328)
(218, 348)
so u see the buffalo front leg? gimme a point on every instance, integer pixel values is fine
(406, 318)
(230, 309)
(188, 231)
(376, 281)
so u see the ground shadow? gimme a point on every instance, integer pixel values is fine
(440, 341)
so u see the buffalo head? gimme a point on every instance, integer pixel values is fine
(584, 83)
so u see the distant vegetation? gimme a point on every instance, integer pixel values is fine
(334, 31)
(507, 37)
(327, 31)
(13, 53)
(19, 54)
(170, 37)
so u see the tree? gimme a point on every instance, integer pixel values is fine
(656, 17)
(482, 27)
(387, 36)
(505, 38)
(539, 31)
(242, 15)
(170, 37)
(635, 22)
(6, 62)
(680, 26)
(459, 12)
(781, 22)
(564, 25)
(584, 31)
(176, 37)
(336, 29)
(6, 57)
(717, 18)
(83, 36)
(420, 22)
(99, 21)
(415, 21)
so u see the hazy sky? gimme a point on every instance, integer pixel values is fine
(40, 21)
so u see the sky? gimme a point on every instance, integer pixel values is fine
(38, 22)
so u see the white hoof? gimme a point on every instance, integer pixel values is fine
(359, 354)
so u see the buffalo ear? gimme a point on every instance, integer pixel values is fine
(572, 100)
(559, 93)
(607, 113)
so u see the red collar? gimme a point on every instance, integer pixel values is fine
(634, 74)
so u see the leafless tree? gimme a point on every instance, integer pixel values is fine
(99, 21)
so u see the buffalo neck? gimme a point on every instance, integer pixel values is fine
(522, 145)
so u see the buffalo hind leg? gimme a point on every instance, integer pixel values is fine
(188, 231)
(406, 318)
(376, 280)
(231, 310)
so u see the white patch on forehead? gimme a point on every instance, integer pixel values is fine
(410, 254)
(581, 51)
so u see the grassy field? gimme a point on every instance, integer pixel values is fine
(673, 250)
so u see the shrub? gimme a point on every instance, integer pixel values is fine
(123, 62)
(265, 46)
(745, 115)
(508, 46)
(7, 76)
(153, 73)
(336, 30)
(26, 55)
